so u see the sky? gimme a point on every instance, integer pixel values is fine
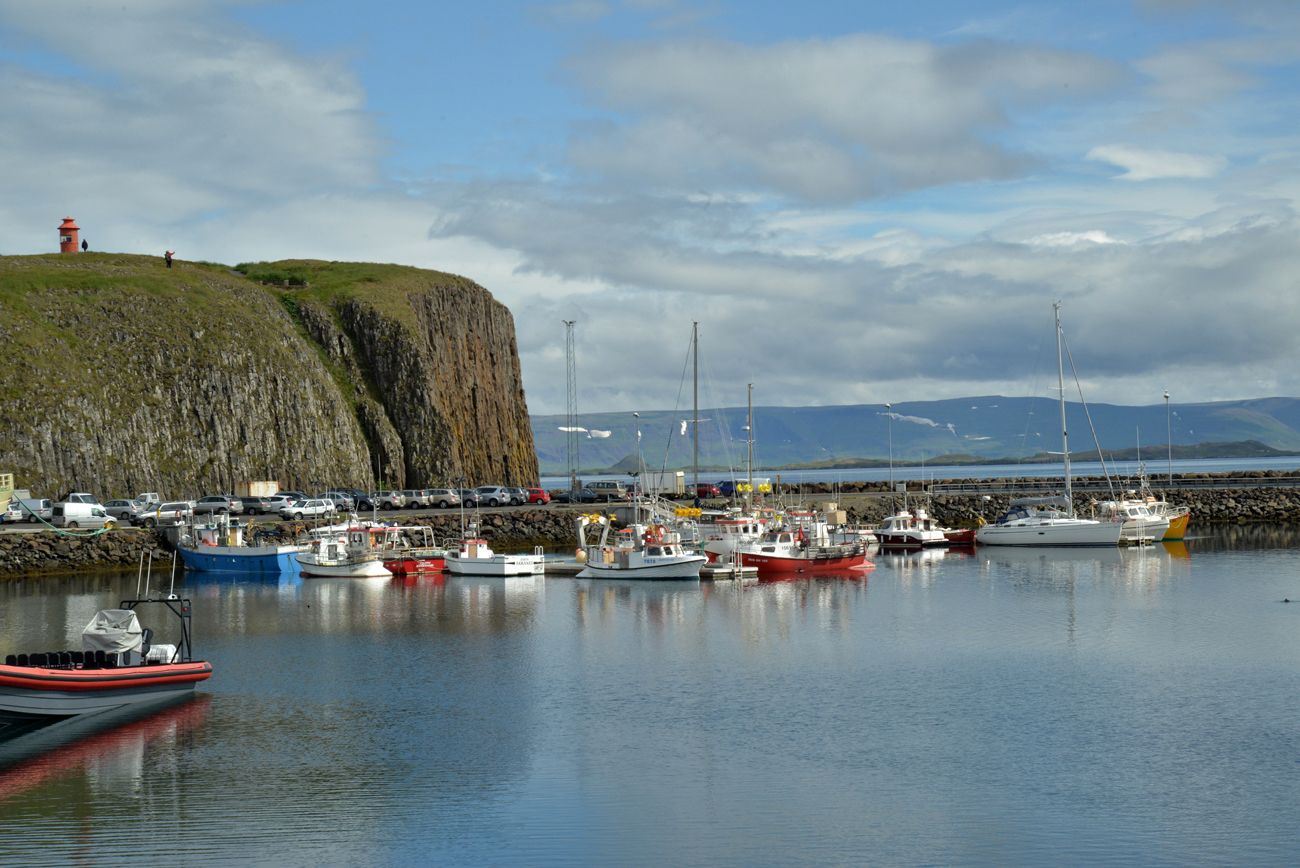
(858, 202)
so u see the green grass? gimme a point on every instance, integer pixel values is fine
(383, 286)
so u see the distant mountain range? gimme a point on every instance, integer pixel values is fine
(961, 430)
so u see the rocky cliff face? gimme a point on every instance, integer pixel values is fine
(123, 376)
(433, 367)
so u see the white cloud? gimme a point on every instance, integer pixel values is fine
(1071, 239)
(176, 113)
(1146, 164)
(840, 119)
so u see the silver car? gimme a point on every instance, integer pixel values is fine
(168, 514)
(388, 499)
(219, 504)
(317, 508)
(127, 510)
(415, 498)
(443, 498)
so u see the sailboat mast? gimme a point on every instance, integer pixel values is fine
(749, 493)
(695, 416)
(1060, 384)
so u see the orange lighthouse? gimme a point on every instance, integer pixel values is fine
(68, 236)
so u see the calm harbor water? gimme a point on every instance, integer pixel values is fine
(972, 708)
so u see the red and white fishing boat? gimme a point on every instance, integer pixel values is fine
(802, 546)
(404, 559)
(118, 665)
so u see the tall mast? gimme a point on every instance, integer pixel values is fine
(571, 423)
(1060, 384)
(749, 494)
(695, 416)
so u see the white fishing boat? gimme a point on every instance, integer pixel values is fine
(350, 551)
(639, 552)
(1139, 523)
(1050, 521)
(729, 532)
(474, 557)
(909, 531)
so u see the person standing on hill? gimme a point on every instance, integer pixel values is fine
(85, 245)
(168, 257)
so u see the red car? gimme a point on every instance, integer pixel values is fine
(707, 489)
(538, 495)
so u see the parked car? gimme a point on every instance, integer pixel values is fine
(729, 487)
(315, 508)
(258, 505)
(517, 495)
(293, 495)
(168, 514)
(148, 499)
(706, 489)
(220, 504)
(32, 508)
(13, 512)
(415, 498)
(360, 500)
(77, 515)
(538, 495)
(609, 489)
(341, 501)
(280, 501)
(468, 497)
(80, 497)
(492, 495)
(126, 510)
(586, 495)
(443, 498)
(388, 499)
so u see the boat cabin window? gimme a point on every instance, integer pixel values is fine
(785, 538)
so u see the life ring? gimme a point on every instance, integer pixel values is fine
(980, 520)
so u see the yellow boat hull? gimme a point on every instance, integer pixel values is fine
(1177, 527)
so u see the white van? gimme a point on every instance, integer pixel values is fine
(32, 507)
(75, 515)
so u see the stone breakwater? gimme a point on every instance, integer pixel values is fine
(1218, 506)
(50, 552)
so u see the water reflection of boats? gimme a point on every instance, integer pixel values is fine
(63, 749)
(1016, 556)
(859, 573)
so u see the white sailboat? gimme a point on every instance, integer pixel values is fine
(1050, 521)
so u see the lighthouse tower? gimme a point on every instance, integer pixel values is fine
(68, 242)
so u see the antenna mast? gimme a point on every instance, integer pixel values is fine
(571, 377)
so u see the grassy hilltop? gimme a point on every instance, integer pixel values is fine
(125, 375)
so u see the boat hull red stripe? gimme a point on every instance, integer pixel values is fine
(769, 564)
(27, 678)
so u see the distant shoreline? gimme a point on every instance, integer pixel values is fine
(1200, 451)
